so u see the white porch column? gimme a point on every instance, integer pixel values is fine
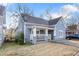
(46, 34)
(34, 35)
(34, 31)
(24, 33)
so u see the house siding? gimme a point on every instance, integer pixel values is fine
(1, 34)
(22, 27)
(2, 22)
(59, 30)
(26, 33)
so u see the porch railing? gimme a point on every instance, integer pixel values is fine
(40, 36)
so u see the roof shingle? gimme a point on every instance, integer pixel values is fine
(37, 20)
(54, 21)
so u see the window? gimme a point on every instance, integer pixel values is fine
(37, 32)
(30, 30)
(61, 33)
(42, 32)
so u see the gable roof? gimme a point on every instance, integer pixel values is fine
(37, 20)
(54, 21)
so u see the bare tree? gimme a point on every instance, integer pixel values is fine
(41, 16)
(47, 13)
(24, 10)
(20, 9)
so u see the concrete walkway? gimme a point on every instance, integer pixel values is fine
(66, 42)
(77, 54)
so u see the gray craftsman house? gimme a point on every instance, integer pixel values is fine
(37, 29)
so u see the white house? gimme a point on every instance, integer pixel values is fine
(37, 29)
(2, 22)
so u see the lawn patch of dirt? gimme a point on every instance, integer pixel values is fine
(44, 49)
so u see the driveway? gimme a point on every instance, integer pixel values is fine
(74, 41)
(77, 42)
(71, 42)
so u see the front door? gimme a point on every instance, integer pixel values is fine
(51, 32)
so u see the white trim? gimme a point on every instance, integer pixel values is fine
(39, 25)
(46, 32)
(34, 31)
(35, 24)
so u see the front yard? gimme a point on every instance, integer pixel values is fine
(43, 49)
(74, 41)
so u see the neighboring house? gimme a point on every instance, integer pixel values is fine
(2, 22)
(72, 29)
(37, 29)
(78, 28)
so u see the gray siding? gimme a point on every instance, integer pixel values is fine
(2, 21)
(26, 34)
(23, 28)
(1, 34)
(59, 30)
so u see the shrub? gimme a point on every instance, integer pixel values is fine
(20, 38)
(16, 39)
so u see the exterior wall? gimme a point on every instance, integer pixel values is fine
(59, 30)
(26, 34)
(2, 22)
(1, 34)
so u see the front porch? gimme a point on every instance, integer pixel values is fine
(40, 34)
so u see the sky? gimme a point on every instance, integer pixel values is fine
(38, 7)
(57, 9)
